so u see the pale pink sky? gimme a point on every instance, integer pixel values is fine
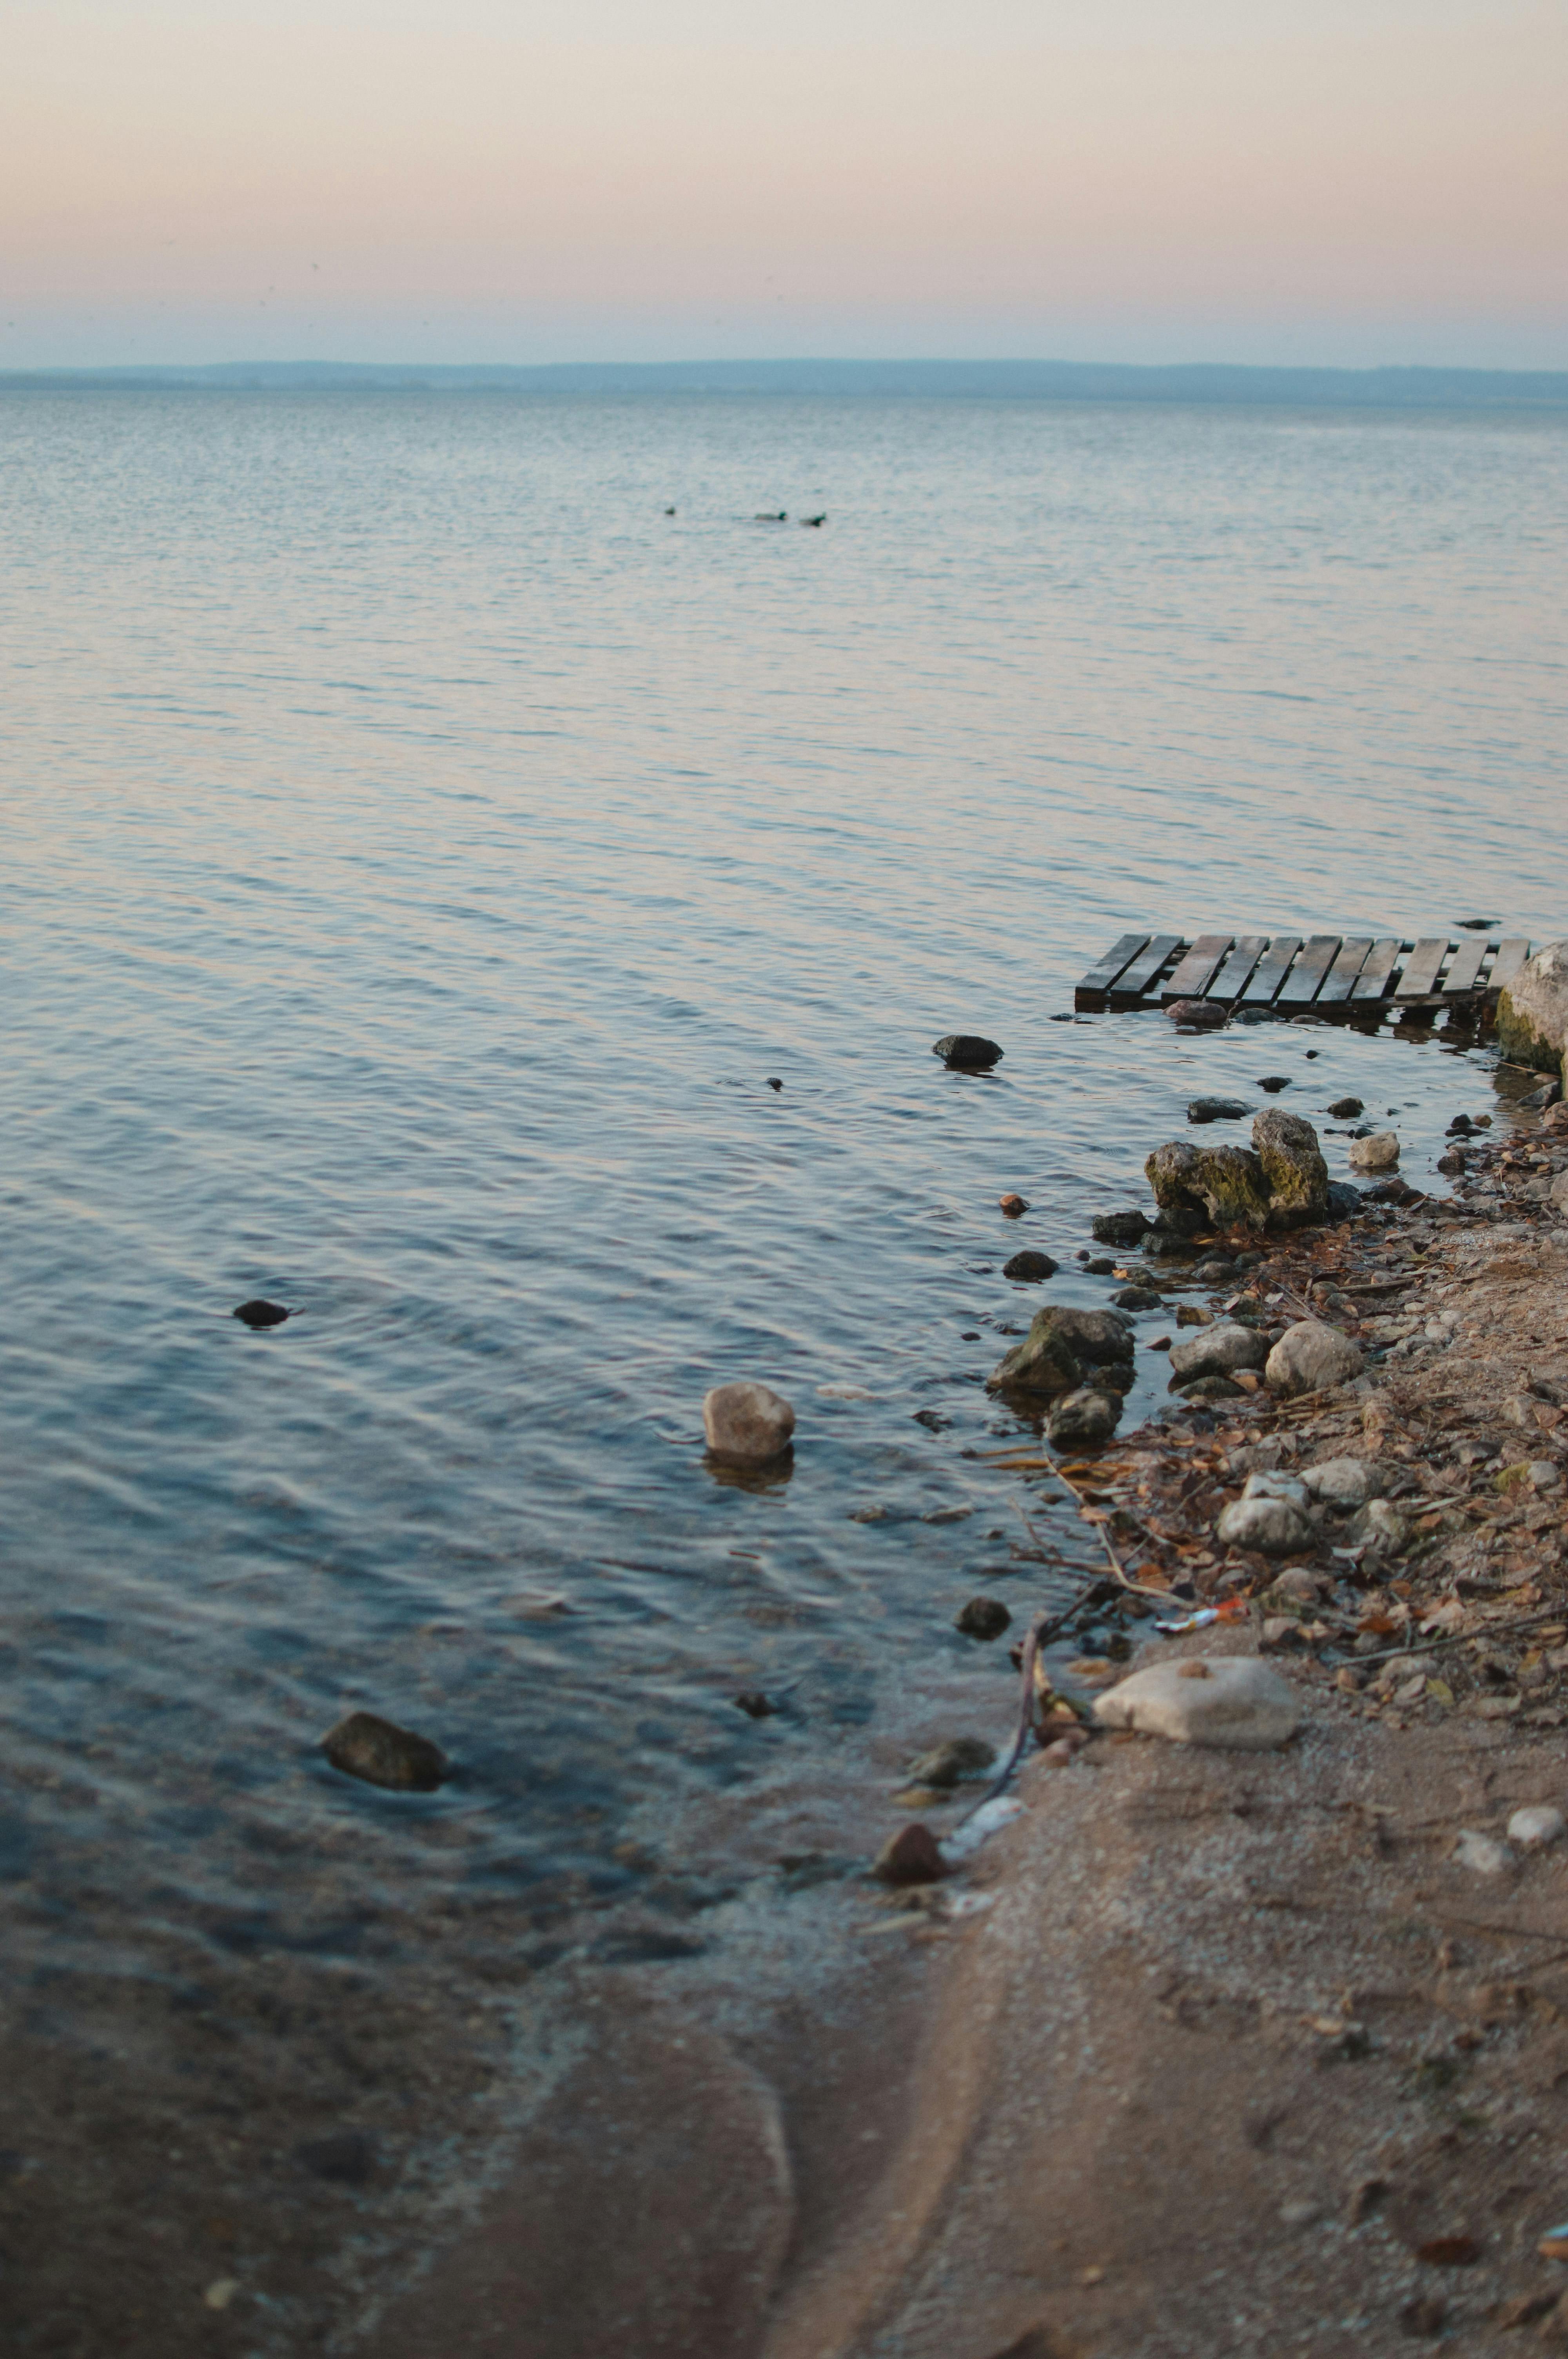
(1128, 179)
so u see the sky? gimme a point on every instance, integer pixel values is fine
(1330, 181)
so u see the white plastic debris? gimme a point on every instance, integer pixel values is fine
(1537, 1825)
(965, 1840)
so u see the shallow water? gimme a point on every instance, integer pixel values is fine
(422, 850)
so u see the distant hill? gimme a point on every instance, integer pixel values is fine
(1316, 388)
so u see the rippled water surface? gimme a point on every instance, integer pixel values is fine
(420, 852)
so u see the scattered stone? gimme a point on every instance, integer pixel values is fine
(1209, 1388)
(1346, 1110)
(755, 1704)
(1380, 1152)
(1198, 1015)
(1482, 1855)
(1216, 1110)
(1297, 1587)
(1234, 1700)
(1082, 1419)
(1136, 1298)
(1311, 1356)
(1193, 1314)
(967, 1052)
(950, 1763)
(365, 1745)
(1099, 1267)
(1013, 1206)
(1379, 1528)
(747, 1424)
(1543, 1475)
(1343, 1483)
(1536, 1826)
(1294, 1168)
(1215, 1351)
(1532, 1011)
(911, 1856)
(1343, 1200)
(1029, 1268)
(258, 1313)
(982, 1618)
(1118, 1228)
(1272, 1527)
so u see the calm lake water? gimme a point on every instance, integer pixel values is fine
(421, 849)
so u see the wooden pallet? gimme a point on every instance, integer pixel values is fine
(1353, 978)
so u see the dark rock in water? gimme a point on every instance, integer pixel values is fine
(258, 1313)
(1343, 1200)
(365, 1745)
(1274, 1084)
(1099, 1337)
(1099, 1267)
(982, 1618)
(774, 1082)
(1460, 1127)
(966, 1051)
(1013, 1206)
(1198, 1015)
(1451, 1163)
(1029, 1267)
(912, 1856)
(1043, 1364)
(951, 1762)
(1116, 1229)
(1207, 1388)
(1346, 1109)
(1136, 1298)
(346, 2158)
(1160, 1246)
(1294, 1168)
(1183, 1220)
(1084, 1419)
(1479, 925)
(1216, 1110)
(755, 1704)
(1546, 1095)
(1214, 1271)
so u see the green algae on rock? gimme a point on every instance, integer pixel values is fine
(1294, 1168)
(1532, 1013)
(1228, 1183)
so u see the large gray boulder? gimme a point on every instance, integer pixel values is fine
(1294, 1166)
(1311, 1356)
(1225, 1182)
(1215, 1351)
(1233, 1700)
(1532, 1013)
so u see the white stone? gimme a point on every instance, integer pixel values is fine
(1225, 1346)
(1265, 1485)
(1378, 1152)
(1237, 1701)
(1309, 1356)
(1543, 1475)
(747, 1424)
(1343, 1483)
(1380, 1526)
(1484, 1854)
(1275, 1527)
(1537, 1825)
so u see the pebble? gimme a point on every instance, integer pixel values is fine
(1346, 1110)
(755, 1704)
(1545, 1476)
(1380, 1152)
(364, 1746)
(1013, 1206)
(911, 1856)
(259, 1313)
(1482, 1855)
(1379, 1527)
(1274, 1084)
(1309, 1356)
(747, 1424)
(221, 2292)
(969, 1052)
(982, 1618)
(1029, 1267)
(1537, 1825)
(1231, 1700)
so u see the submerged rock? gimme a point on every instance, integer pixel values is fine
(1136, 1298)
(1346, 1110)
(982, 1618)
(365, 1745)
(1309, 1357)
(969, 1052)
(950, 1763)
(260, 1313)
(747, 1424)
(1294, 1168)
(1233, 1700)
(1216, 1110)
(1084, 1419)
(1029, 1268)
(1118, 1228)
(1532, 1011)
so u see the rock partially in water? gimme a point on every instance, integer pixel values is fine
(259, 1313)
(1378, 1152)
(1311, 1356)
(1343, 1200)
(967, 1052)
(1207, 1388)
(951, 1762)
(982, 1618)
(747, 1424)
(1274, 1084)
(1219, 1350)
(1233, 1700)
(1225, 1182)
(1042, 1365)
(911, 1856)
(1118, 1228)
(365, 1745)
(1293, 1168)
(1013, 1206)
(1100, 1338)
(1346, 1110)
(1198, 1015)
(1029, 1268)
(1084, 1419)
(1216, 1110)
(1136, 1298)
(755, 1704)
(1532, 1011)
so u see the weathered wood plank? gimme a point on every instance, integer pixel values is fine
(1464, 970)
(1272, 968)
(1342, 974)
(1090, 992)
(1511, 955)
(1198, 970)
(1236, 966)
(1301, 987)
(1377, 972)
(1419, 980)
(1144, 972)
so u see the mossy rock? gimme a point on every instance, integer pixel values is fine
(1532, 1013)
(1228, 1183)
(1293, 1169)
